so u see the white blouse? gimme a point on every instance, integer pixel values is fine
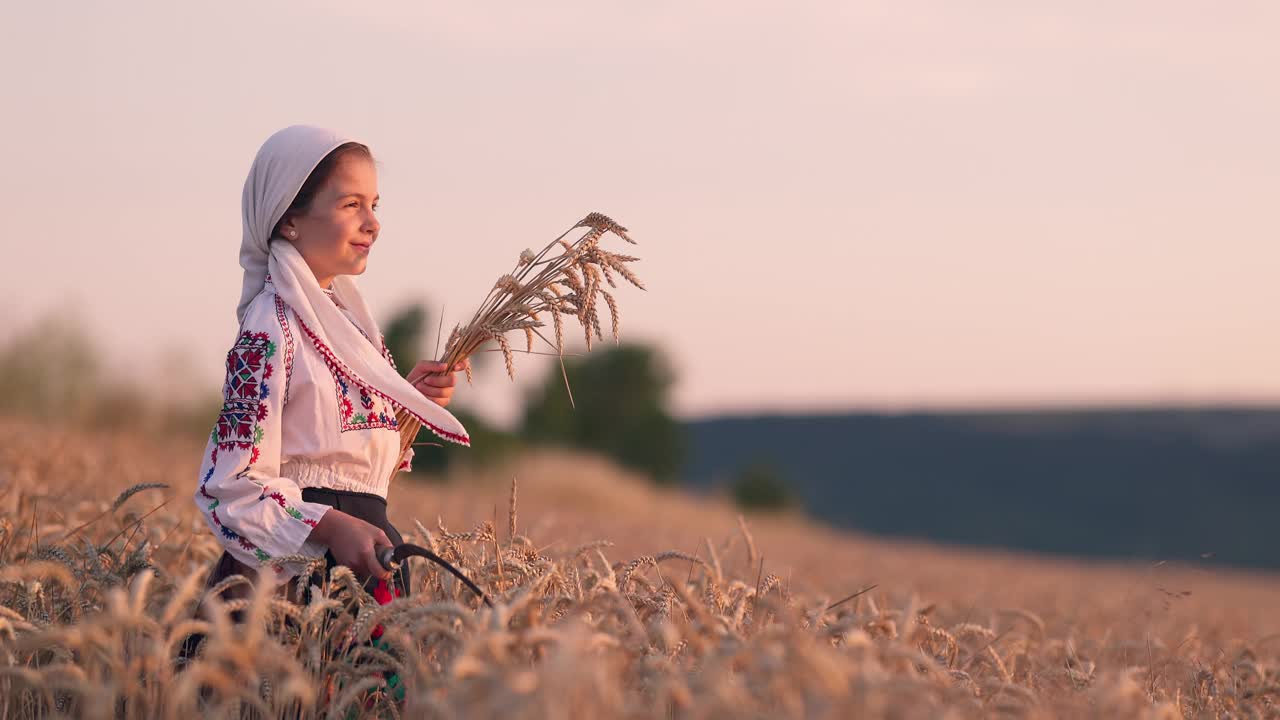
(290, 419)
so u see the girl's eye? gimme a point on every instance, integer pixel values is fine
(353, 203)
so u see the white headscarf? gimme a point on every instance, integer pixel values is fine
(281, 167)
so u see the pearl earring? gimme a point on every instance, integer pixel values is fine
(293, 234)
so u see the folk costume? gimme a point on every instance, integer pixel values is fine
(308, 420)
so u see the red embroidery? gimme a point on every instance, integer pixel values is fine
(237, 420)
(284, 503)
(387, 353)
(369, 417)
(238, 426)
(243, 408)
(288, 343)
(336, 366)
(246, 363)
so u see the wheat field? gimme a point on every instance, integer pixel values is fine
(612, 599)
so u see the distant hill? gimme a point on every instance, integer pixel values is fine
(1196, 485)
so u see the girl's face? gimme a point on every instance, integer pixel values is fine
(338, 229)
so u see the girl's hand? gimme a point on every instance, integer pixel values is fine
(434, 381)
(353, 542)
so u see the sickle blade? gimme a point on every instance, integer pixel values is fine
(405, 550)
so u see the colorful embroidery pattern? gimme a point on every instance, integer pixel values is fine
(227, 532)
(248, 369)
(238, 425)
(336, 367)
(370, 413)
(281, 309)
(284, 503)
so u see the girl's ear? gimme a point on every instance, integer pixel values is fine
(286, 228)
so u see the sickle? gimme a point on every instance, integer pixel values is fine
(390, 556)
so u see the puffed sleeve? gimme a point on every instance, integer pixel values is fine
(254, 512)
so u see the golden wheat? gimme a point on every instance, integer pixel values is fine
(90, 623)
(532, 287)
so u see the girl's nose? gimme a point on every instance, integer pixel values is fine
(371, 224)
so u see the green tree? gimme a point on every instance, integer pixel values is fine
(403, 335)
(50, 369)
(621, 396)
(760, 486)
(407, 338)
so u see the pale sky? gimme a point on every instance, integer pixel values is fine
(839, 205)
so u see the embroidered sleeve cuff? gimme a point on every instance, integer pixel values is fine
(306, 513)
(272, 575)
(289, 538)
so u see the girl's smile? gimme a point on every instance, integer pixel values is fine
(335, 232)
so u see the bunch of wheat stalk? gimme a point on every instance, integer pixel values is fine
(568, 283)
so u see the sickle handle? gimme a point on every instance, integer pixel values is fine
(386, 555)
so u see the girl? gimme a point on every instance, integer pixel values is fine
(303, 448)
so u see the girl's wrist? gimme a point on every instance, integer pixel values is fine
(323, 532)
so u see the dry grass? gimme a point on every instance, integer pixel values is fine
(612, 599)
